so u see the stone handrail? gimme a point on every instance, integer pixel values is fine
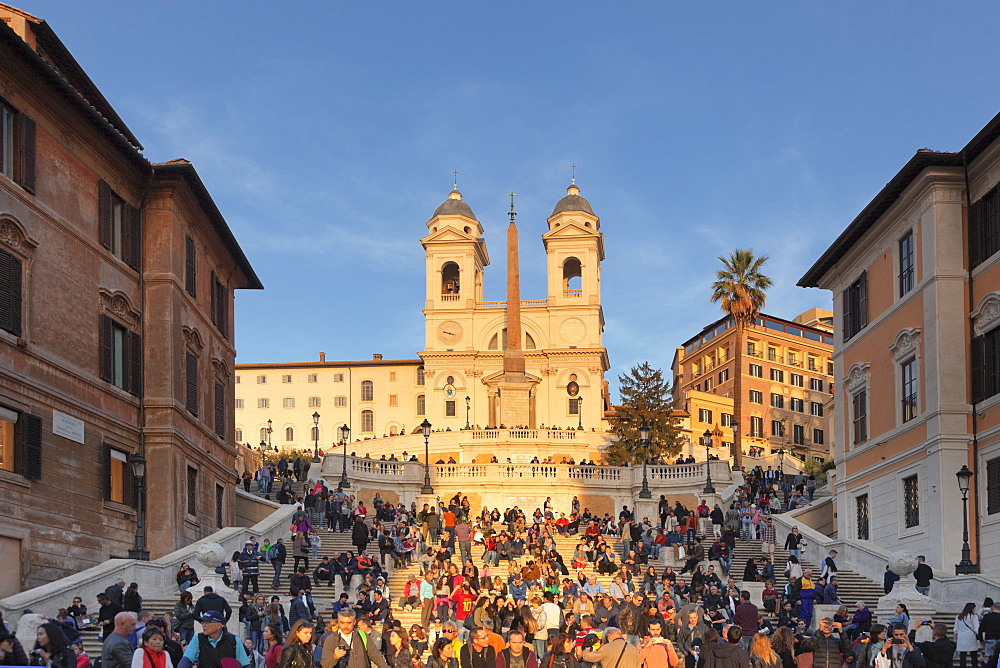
(156, 578)
(523, 434)
(949, 593)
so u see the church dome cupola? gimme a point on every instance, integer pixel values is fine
(454, 206)
(573, 201)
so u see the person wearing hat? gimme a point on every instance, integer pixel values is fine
(249, 562)
(214, 645)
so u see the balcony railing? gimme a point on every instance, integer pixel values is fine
(525, 303)
(450, 297)
(523, 434)
(573, 293)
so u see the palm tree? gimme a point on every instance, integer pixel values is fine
(740, 289)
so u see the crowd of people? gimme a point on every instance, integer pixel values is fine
(494, 591)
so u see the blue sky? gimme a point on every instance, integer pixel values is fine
(327, 133)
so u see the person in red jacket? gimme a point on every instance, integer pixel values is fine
(464, 600)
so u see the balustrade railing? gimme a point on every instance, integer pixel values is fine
(377, 467)
(523, 434)
(450, 297)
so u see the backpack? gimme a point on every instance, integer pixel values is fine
(272, 551)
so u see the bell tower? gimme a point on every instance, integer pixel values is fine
(456, 256)
(575, 249)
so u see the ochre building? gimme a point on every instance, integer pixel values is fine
(787, 384)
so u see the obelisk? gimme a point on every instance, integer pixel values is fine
(514, 386)
(513, 355)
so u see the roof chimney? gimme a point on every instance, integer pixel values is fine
(377, 357)
(322, 356)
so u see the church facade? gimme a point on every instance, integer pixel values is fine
(462, 378)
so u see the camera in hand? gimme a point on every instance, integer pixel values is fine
(897, 641)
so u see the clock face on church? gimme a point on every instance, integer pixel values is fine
(449, 332)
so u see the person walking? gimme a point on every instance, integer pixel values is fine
(347, 641)
(298, 650)
(463, 534)
(967, 635)
(793, 543)
(184, 614)
(277, 555)
(923, 575)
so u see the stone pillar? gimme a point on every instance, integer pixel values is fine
(210, 556)
(756, 590)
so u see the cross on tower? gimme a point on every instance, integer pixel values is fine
(455, 174)
(512, 212)
(573, 167)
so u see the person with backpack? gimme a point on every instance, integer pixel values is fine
(276, 555)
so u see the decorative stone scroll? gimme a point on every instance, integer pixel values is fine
(987, 314)
(858, 377)
(119, 306)
(907, 343)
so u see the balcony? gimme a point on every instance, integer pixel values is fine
(573, 293)
(450, 297)
(525, 303)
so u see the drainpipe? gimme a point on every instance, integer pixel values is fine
(143, 507)
(975, 417)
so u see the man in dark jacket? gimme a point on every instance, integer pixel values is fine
(297, 609)
(940, 652)
(989, 631)
(249, 563)
(517, 652)
(731, 655)
(900, 651)
(477, 653)
(696, 555)
(345, 648)
(745, 616)
(212, 601)
(630, 618)
(116, 593)
(830, 646)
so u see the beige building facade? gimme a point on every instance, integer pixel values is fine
(916, 286)
(456, 380)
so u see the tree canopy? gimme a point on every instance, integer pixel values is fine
(645, 396)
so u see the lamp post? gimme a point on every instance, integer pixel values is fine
(781, 464)
(467, 405)
(425, 427)
(644, 493)
(345, 435)
(707, 440)
(138, 464)
(316, 437)
(732, 448)
(579, 413)
(965, 566)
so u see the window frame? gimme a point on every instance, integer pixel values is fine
(18, 146)
(907, 265)
(756, 397)
(855, 307)
(759, 368)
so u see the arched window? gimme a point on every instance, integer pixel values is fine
(529, 342)
(289, 433)
(263, 434)
(449, 279)
(314, 435)
(239, 435)
(572, 277)
(393, 430)
(367, 421)
(421, 405)
(367, 390)
(495, 341)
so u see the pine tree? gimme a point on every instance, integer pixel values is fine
(645, 396)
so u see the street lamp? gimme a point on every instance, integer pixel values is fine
(579, 413)
(269, 430)
(345, 434)
(781, 464)
(316, 437)
(644, 493)
(425, 427)
(732, 448)
(965, 566)
(467, 405)
(707, 440)
(138, 464)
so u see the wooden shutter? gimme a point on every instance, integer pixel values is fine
(215, 300)
(975, 235)
(107, 348)
(993, 486)
(863, 301)
(26, 153)
(220, 410)
(224, 310)
(10, 293)
(105, 204)
(31, 446)
(131, 236)
(190, 267)
(191, 382)
(848, 308)
(135, 363)
(106, 471)
(977, 353)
